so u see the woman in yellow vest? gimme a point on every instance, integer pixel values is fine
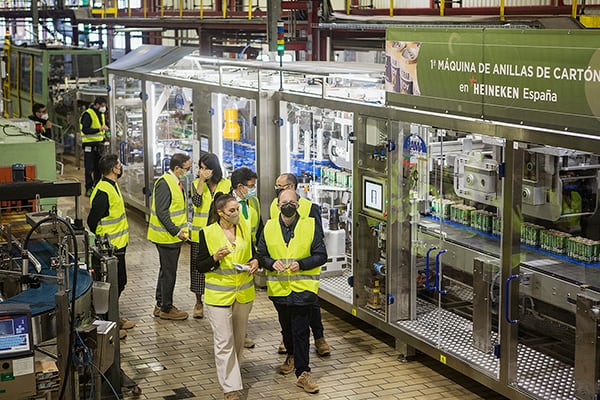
(225, 255)
(210, 181)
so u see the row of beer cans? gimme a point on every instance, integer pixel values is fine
(555, 241)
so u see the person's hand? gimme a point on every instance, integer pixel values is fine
(294, 266)
(48, 125)
(204, 173)
(221, 253)
(279, 266)
(104, 128)
(183, 235)
(253, 266)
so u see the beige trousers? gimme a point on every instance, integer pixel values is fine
(229, 326)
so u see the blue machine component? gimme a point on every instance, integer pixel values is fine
(41, 300)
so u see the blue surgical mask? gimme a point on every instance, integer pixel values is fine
(251, 193)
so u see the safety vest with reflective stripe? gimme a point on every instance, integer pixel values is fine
(157, 233)
(304, 206)
(281, 284)
(97, 124)
(200, 215)
(115, 223)
(253, 216)
(225, 285)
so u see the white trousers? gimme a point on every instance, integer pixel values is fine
(229, 325)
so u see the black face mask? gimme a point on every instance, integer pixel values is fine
(288, 210)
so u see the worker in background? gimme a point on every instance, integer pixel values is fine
(243, 188)
(210, 181)
(306, 208)
(40, 116)
(107, 218)
(292, 250)
(93, 128)
(168, 229)
(226, 255)
(572, 203)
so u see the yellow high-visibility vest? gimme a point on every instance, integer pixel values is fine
(97, 124)
(253, 216)
(281, 284)
(226, 284)
(115, 223)
(157, 233)
(200, 214)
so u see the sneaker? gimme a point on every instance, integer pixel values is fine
(305, 382)
(198, 311)
(281, 349)
(122, 334)
(322, 347)
(249, 343)
(156, 311)
(126, 324)
(174, 314)
(232, 396)
(288, 366)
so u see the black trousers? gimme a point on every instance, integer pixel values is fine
(295, 322)
(167, 274)
(121, 269)
(91, 163)
(316, 324)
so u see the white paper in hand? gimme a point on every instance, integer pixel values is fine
(241, 267)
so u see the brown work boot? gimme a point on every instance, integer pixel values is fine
(249, 343)
(232, 396)
(305, 382)
(126, 324)
(288, 366)
(322, 347)
(198, 311)
(174, 314)
(281, 349)
(156, 311)
(122, 334)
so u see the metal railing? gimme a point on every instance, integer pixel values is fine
(248, 8)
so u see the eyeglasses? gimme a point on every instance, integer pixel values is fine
(289, 203)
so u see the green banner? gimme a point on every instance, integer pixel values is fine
(545, 78)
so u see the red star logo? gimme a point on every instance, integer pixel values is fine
(472, 80)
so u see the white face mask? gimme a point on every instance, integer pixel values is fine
(102, 109)
(44, 116)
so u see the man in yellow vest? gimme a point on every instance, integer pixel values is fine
(306, 208)
(93, 128)
(168, 229)
(107, 218)
(292, 251)
(243, 188)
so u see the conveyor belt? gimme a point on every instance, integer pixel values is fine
(537, 373)
(41, 300)
(561, 267)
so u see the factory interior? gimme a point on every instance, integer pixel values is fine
(452, 147)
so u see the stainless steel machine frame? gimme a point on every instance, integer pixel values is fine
(466, 299)
(205, 103)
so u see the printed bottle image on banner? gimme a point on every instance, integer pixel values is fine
(401, 67)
